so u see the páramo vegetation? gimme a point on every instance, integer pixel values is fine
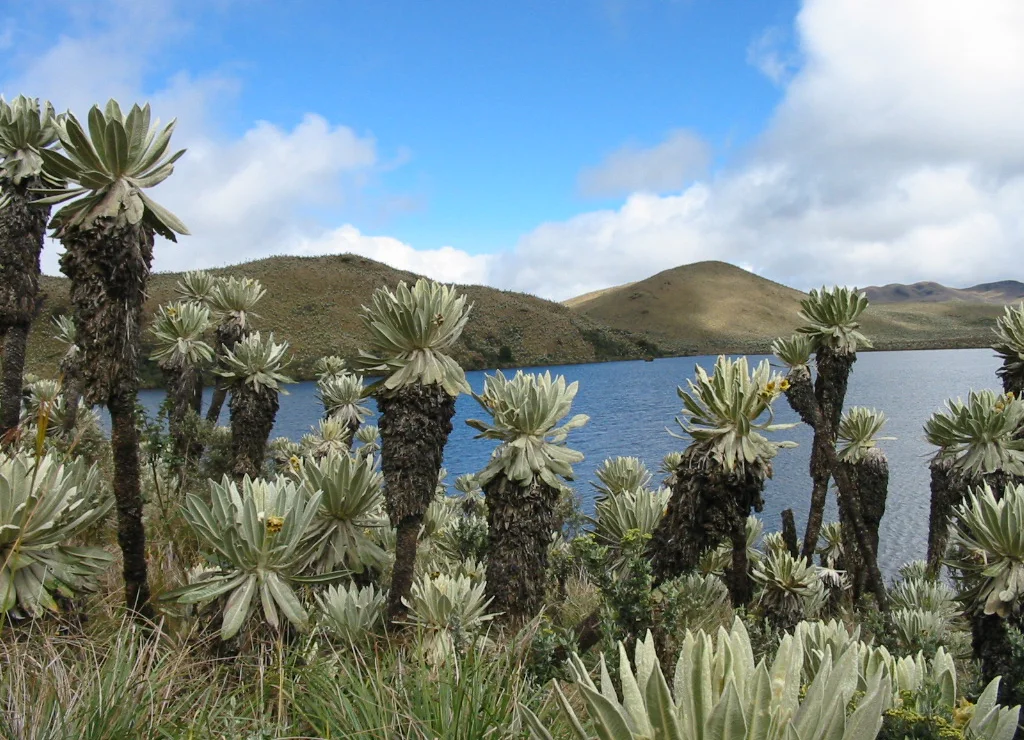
(177, 578)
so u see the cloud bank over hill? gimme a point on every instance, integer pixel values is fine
(895, 154)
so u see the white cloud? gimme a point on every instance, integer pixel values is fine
(251, 197)
(895, 155)
(768, 52)
(447, 264)
(242, 198)
(665, 167)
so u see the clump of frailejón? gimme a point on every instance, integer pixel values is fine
(978, 444)
(107, 226)
(178, 332)
(523, 481)
(26, 128)
(411, 330)
(44, 506)
(263, 539)
(720, 476)
(254, 370)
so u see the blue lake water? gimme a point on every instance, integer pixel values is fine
(630, 404)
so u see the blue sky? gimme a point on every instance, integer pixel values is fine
(559, 147)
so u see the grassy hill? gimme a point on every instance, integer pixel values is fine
(314, 303)
(710, 307)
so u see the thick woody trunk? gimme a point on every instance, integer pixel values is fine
(415, 422)
(253, 411)
(829, 394)
(870, 478)
(131, 533)
(108, 266)
(14, 341)
(990, 640)
(789, 533)
(708, 507)
(520, 524)
(182, 384)
(72, 391)
(945, 494)
(22, 228)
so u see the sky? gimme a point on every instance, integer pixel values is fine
(562, 147)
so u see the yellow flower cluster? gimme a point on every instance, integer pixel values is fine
(774, 388)
(274, 524)
(963, 713)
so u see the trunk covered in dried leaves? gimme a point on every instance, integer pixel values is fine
(520, 524)
(13, 342)
(948, 489)
(708, 507)
(415, 422)
(945, 494)
(789, 533)
(870, 479)
(253, 411)
(821, 410)
(829, 394)
(22, 228)
(108, 266)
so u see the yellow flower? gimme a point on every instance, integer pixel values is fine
(784, 385)
(274, 524)
(963, 713)
(295, 462)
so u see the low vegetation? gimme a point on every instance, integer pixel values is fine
(186, 579)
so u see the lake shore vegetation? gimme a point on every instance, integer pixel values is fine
(187, 579)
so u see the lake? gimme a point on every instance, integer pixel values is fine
(630, 404)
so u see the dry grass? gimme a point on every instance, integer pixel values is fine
(314, 303)
(714, 307)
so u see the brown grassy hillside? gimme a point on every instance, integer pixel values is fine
(715, 306)
(314, 303)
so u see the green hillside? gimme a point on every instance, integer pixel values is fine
(314, 303)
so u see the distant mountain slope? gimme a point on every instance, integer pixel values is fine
(715, 306)
(314, 303)
(1002, 292)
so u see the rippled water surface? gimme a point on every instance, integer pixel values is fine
(630, 404)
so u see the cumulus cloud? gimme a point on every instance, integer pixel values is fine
(253, 196)
(242, 197)
(895, 155)
(665, 167)
(447, 264)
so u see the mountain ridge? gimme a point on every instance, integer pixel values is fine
(703, 308)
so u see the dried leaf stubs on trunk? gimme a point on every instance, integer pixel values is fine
(523, 481)
(721, 474)
(415, 422)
